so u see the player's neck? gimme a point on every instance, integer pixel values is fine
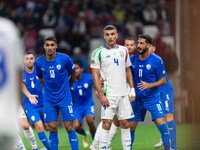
(79, 77)
(50, 57)
(144, 56)
(29, 70)
(111, 45)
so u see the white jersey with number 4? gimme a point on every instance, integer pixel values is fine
(112, 64)
(11, 60)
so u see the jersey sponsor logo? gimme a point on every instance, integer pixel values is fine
(148, 66)
(51, 67)
(108, 56)
(58, 66)
(141, 66)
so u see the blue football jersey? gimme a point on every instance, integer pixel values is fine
(82, 91)
(149, 70)
(34, 86)
(56, 77)
(165, 88)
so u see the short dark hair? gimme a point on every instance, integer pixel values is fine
(109, 27)
(129, 38)
(50, 38)
(79, 63)
(147, 38)
(29, 52)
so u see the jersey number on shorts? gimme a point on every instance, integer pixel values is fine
(3, 71)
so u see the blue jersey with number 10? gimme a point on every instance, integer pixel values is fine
(56, 77)
(149, 70)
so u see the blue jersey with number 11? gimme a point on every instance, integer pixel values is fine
(149, 70)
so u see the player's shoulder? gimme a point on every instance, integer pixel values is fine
(133, 57)
(87, 75)
(40, 58)
(97, 51)
(155, 56)
(7, 24)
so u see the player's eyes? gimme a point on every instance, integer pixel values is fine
(47, 45)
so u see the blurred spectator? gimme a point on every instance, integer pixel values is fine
(150, 15)
(29, 39)
(49, 18)
(79, 26)
(163, 22)
(166, 52)
(77, 54)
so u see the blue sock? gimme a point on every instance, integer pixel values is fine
(132, 137)
(172, 133)
(44, 140)
(53, 140)
(165, 136)
(73, 140)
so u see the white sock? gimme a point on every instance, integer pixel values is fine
(19, 143)
(112, 132)
(103, 139)
(95, 142)
(31, 137)
(126, 139)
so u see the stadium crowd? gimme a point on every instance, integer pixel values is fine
(75, 23)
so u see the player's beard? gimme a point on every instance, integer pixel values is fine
(143, 51)
(30, 67)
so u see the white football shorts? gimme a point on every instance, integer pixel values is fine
(119, 105)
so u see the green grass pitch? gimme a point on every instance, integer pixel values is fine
(146, 136)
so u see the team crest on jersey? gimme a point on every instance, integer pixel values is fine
(121, 53)
(33, 118)
(148, 66)
(86, 85)
(58, 66)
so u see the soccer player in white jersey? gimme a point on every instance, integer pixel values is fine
(11, 56)
(111, 62)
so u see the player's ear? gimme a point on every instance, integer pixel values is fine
(56, 46)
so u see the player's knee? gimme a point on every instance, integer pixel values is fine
(107, 124)
(160, 121)
(90, 120)
(169, 117)
(25, 126)
(125, 124)
(76, 126)
(69, 126)
(39, 127)
(52, 127)
(133, 125)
